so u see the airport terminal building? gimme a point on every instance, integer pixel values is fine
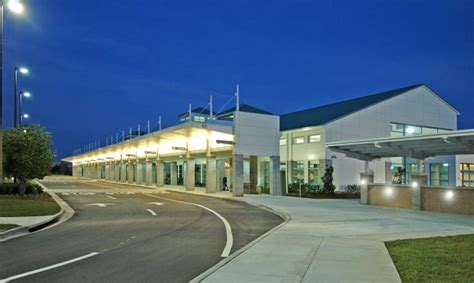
(247, 149)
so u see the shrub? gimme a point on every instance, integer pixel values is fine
(14, 189)
(328, 186)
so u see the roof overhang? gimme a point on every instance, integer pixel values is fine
(188, 137)
(418, 147)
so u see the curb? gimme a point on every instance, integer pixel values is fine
(60, 217)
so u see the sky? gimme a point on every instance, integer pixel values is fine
(99, 67)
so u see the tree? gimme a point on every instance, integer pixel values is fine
(27, 154)
(328, 186)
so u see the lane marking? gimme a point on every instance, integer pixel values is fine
(100, 204)
(152, 212)
(48, 267)
(156, 203)
(228, 229)
(111, 197)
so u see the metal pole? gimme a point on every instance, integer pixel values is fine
(1, 92)
(20, 108)
(159, 123)
(210, 107)
(15, 82)
(237, 98)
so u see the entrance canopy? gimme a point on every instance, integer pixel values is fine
(418, 147)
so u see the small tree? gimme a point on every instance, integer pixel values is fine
(27, 154)
(328, 186)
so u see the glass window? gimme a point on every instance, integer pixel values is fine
(439, 174)
(313, 173)
(199, 119)
(298, 171)
(412, 130)
(282, 141)
(429, 131)
(314, 138)
(298, 140)
(467, 174)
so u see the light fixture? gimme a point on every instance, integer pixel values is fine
(15, 6)
(449, 195)
(26, 116)
(23, 70)
(27, 94)
(363, 182)
(414, 184)
(388, 191)
(445, 164)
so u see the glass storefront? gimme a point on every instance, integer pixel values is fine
(298, 172)
(200, 175)
(467, 174)
(439, 174)
(313, 174)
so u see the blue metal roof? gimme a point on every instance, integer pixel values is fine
(327, 113)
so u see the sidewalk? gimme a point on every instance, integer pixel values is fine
(25, 220)
(333, 241)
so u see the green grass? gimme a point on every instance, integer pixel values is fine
(4, 227)
(440, 259)
(27, 207)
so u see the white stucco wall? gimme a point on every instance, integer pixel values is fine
(417, 107)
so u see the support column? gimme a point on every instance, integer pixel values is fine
(388, 172)
(107, 172)
(160, 173)
(173, 173)
(275, 179)
(366, 178)
(117, 171)
(130, 172)
(419, 180)
(238, 175)
(148, 167)
(253, 174)
(190, 174)
(211, 174)
(220, 173)
(123, 169)
(139, 176)
(98, 171)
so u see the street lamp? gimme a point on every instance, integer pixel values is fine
(17, 8)
(24, 71)
(25, 94)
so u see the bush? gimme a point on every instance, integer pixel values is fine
(328, 186)
(14, 189)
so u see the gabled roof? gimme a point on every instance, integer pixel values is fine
(327, 113)
(244, 108)
(198, 110)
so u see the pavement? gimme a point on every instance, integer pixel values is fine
(124, 233)
(24, 221)
(333, 241)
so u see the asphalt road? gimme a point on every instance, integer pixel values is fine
(119, 234)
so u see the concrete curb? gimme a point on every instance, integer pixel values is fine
(60, 217)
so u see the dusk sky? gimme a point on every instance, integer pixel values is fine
(100, 67)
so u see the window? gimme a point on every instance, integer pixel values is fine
(313, 173)
(467, 174)
(400, 130)
(314, 138)
(282, 141)
(439, 174)
(201, 119)
(298, 171)
(298, 140)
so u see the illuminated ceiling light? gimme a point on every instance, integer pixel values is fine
(410, 130)
(449, 195)
(15, 6)
(23, 70)
(445, 164)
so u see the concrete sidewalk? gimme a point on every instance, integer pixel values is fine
(24, 220)
(333, 241)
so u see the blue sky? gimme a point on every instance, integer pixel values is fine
(99, 67)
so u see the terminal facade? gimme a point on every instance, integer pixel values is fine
(247, 149)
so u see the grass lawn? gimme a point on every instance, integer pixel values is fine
(27, 207)
(4, 227)
(439, 259)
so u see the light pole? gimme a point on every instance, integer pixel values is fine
(23, 94)
(17, 8)
(22, 70)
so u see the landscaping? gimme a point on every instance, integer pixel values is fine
(439, 259)
(4, 227)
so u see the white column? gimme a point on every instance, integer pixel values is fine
(211, 174)
(238, 175)
(275, 178)
(190, 174)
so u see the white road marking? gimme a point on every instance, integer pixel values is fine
(152, 212)
(65, 194)
(228, 229)
(156, 203)
(48, 267)
(100, 204)
(111, 197)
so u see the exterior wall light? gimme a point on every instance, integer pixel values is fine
(414, 184)
(388, 191)
(449, 195)
(363, 182)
